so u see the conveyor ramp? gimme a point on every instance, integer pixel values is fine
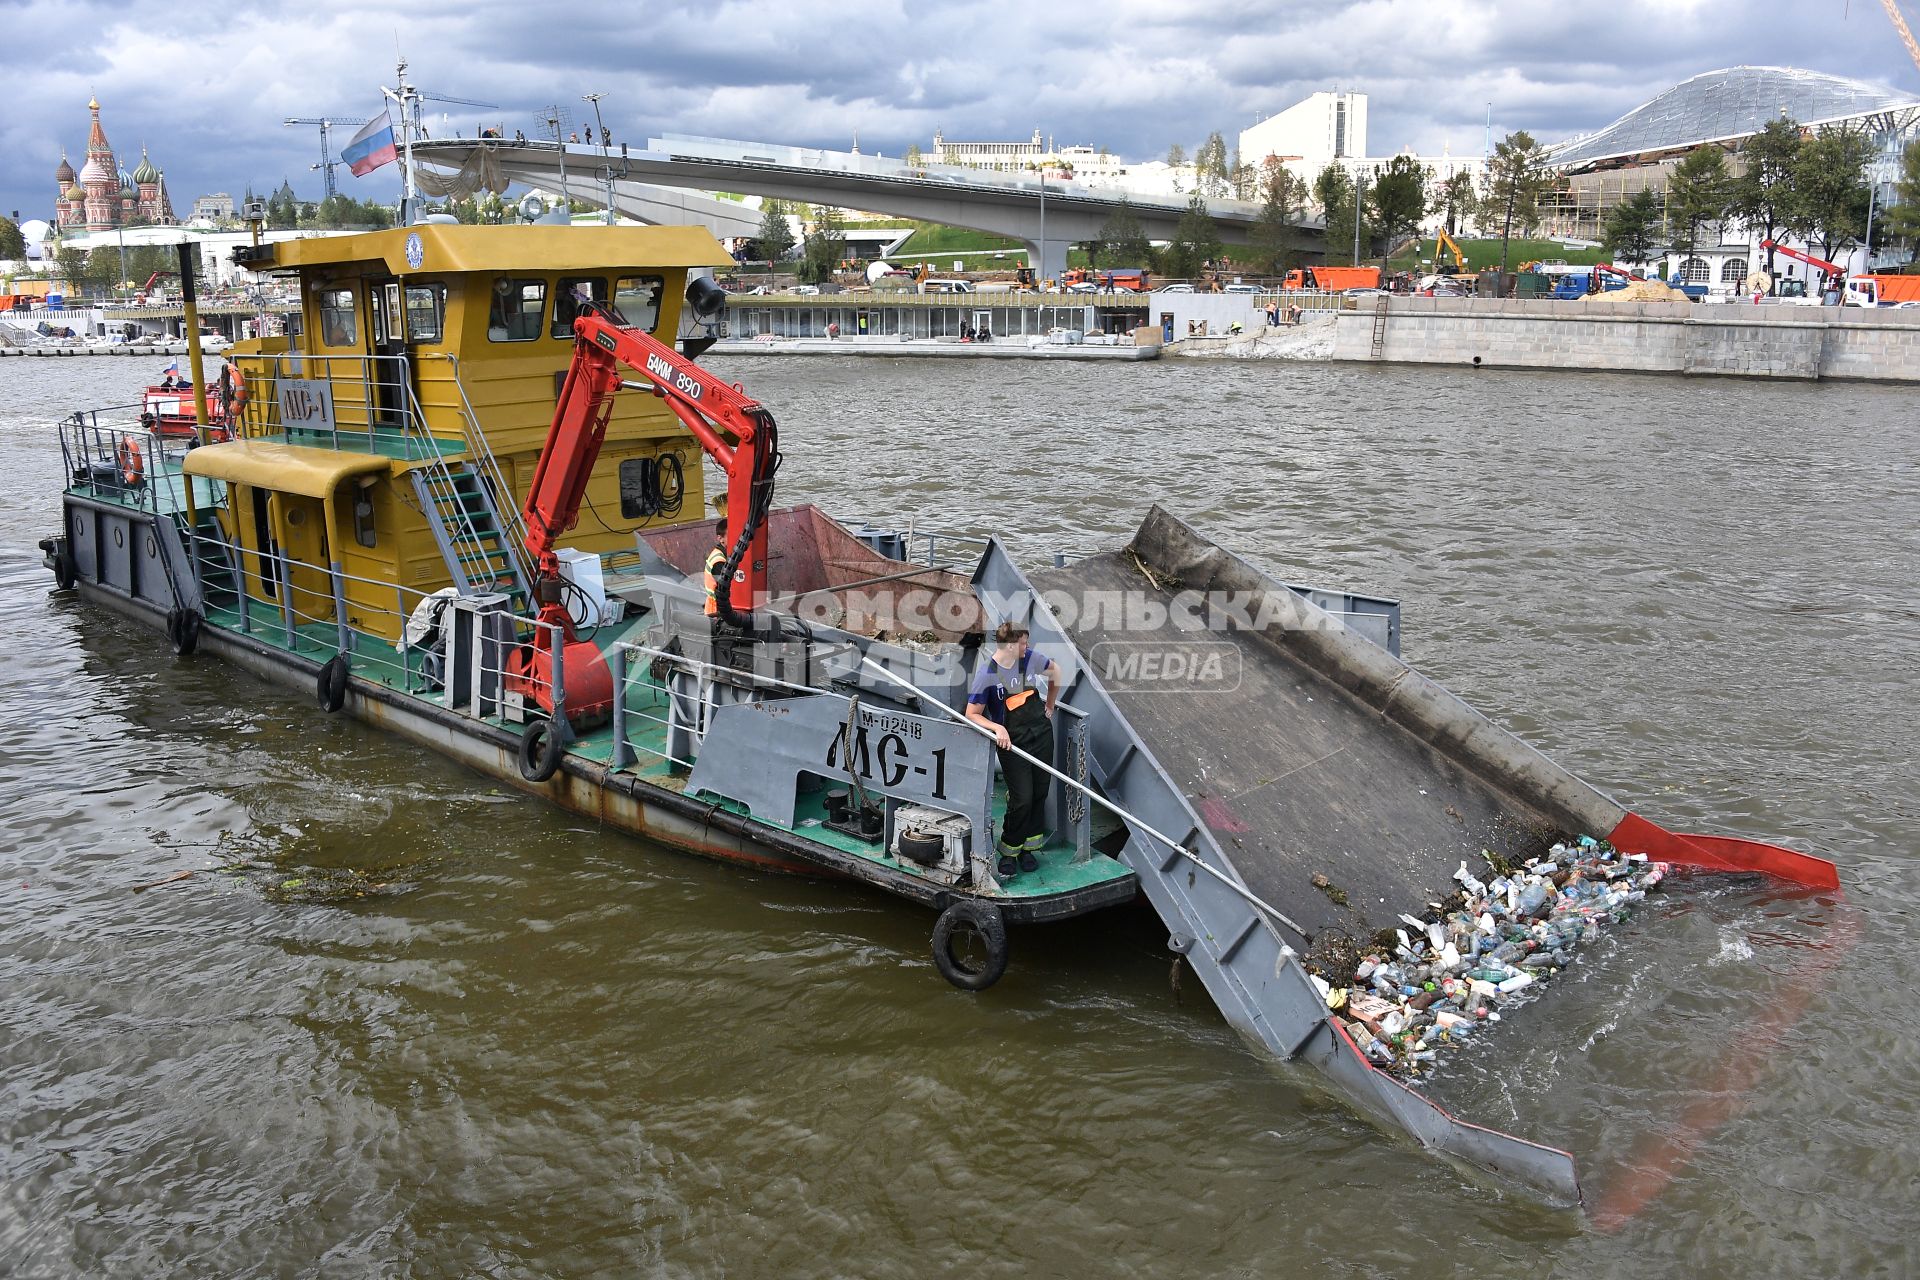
(1310, 767)
(1316, 786)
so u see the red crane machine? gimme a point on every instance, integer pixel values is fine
(736, 431)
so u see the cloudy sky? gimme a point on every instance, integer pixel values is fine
(205, 86)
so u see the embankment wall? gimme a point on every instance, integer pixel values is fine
(1736, 339)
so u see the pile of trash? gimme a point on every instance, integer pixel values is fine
(1452, 973)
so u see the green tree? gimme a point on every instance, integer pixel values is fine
(1517, 177)
(283, 211)
(1764, 195)
(825, 246)
(1274, 236)
(1210, 171)
(1334, 191)
(1902, 217)
(1195, 241)
(70, 264)
(1696, 195)
(1245, 178)
(1830, 190)
(913, 158)
(1399, 199)
(776, 233)
(1176, 160)
(12, 244)
(1456, 202)
(1122, 242)
(1633, 228)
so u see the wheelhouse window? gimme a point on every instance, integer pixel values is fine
(426, 312)
(339, 326)
(570, 302)
(516, 311)
(637, 300)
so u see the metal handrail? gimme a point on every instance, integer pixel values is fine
(482, 451)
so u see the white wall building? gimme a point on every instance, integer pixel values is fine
(1332, 126)
(1311, 134)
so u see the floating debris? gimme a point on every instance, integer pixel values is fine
(1454, 970)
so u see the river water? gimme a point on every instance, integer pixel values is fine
(401, 1021)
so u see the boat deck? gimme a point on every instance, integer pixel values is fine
(646, 735)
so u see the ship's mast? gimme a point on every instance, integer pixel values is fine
(408, 99)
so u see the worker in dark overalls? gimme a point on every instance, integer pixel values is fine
(724, 639)
(1006, 700)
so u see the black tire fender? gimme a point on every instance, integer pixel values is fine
(966, 919)
(540, 750)
(331, 688)
(183, 630)
(65, 572)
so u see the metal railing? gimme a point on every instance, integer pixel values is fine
(513, 523)
(400, 425)
(112, 454)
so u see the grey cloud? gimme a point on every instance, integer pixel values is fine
(206, 85)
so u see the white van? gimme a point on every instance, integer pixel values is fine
(946, 286)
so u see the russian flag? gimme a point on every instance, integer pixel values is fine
(371, 147)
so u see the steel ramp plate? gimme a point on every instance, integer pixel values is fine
(1294, 777)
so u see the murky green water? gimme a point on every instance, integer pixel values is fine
(400, 1022)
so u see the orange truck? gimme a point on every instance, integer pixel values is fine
(1881, 290)
(1131, 279)
(1333, 279)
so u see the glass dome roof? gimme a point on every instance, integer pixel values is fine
(1727, 104)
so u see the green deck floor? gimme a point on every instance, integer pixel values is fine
(646, 704)
(376, 660)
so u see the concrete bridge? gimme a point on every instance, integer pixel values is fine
(659, 184)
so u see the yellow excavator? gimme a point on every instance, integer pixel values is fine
(1444, 241)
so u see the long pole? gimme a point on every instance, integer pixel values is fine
(1247, 894)
(1359, 198)
(194, 366)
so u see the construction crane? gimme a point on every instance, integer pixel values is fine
(1900, 25)
(326, 123)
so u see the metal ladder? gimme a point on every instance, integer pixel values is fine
(1380, 325)
(482, 547)
(480, 553)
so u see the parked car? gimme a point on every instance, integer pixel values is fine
(808, 289)
(1178, 288)
(1243, 288)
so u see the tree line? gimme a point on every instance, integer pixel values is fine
(1812, 187)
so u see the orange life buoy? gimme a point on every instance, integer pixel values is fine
(237, 395)
(133, 465)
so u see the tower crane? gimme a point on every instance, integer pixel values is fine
(326, 123)
(1900, 25)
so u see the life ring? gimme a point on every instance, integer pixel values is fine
(963, 930)
(540, 749)
(133, 464)
(331, 687)
(235, 393)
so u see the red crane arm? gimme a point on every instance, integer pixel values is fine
(732, 427)
(1831, 268)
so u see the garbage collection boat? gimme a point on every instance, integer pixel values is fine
(464, 502)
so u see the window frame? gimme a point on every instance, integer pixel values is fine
(351, 313)
(517, 285)
(659, 291)
(437, 291)
(563, 297)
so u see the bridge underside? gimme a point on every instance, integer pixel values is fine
(658, 186)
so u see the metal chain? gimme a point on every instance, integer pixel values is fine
(1077, 799)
